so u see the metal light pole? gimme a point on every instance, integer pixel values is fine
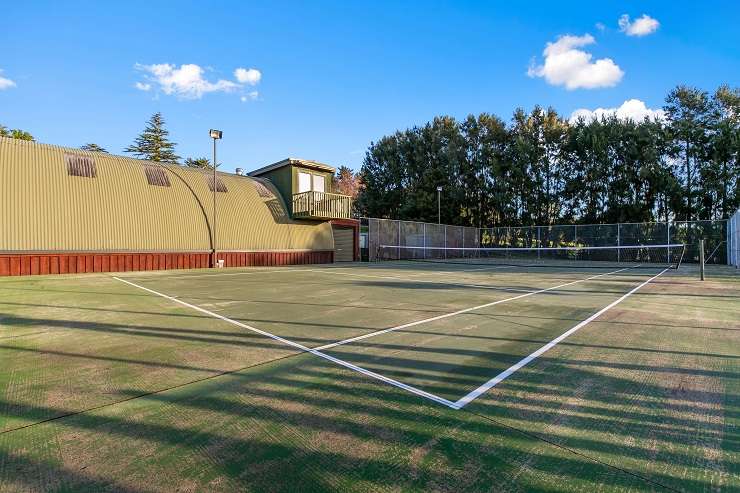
(439, 205)
(215, 135)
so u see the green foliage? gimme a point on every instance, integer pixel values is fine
(541, 169)
(93, 148)
(153, 144)
(200, 162)
(15, 133)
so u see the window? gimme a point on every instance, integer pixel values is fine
(220, 186)
(80, 165)
(318, 183)
(304, 182)
(156, 176)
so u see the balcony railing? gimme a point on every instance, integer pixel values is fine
(320, 205)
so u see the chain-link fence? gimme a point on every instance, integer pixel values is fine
(385, 232)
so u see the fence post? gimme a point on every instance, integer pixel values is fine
(701, 258)
(424, 234)
(668, 240)
(445, 241)
(619, 240)
(399, 240)
(539, 243)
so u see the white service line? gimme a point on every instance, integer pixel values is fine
(428, 281)
(459, 312)
(509, 371)
(296, 345)
(220, 274)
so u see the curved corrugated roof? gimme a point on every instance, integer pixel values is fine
(44, 208)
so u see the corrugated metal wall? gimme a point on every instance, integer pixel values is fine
(43, 208)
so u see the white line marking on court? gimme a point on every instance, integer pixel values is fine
(428, 281)
(316, 352)
(220, 274)
(460, 403)
(459, 312)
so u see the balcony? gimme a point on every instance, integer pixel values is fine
(320, 205)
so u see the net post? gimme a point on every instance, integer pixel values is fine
(539, 243)
(701, 258)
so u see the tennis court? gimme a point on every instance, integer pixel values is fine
(380, 375)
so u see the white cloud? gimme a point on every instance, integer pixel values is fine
(632, 109)
(600, 26)
(249, 76)
(566, 65)
(642, 26)
(250, 96)
(185, 82)
(142, 86)
(5, 83)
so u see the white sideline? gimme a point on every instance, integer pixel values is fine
(460, 403)
(459, 312)
(372, 374)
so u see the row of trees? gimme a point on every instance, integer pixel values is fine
(541, 169)
(153, 144)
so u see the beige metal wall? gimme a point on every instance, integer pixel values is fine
(43, 208)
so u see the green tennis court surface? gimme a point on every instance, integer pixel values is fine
(398, 376)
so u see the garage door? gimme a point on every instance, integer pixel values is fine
(344, 244)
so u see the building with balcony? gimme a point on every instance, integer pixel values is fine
(64, 210)
(307, 188)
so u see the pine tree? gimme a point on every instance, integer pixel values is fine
(93, 148)
(199, 162)
(152, 144)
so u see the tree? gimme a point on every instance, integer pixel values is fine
(725, 150)
(346, 182)
(688, 110)
(15, 133)
(93, 148)
(200, 162)
(152, 144)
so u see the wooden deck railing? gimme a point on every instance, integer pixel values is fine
(321, 205)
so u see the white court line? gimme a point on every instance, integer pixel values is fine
(220, 274)
(459, 312)
(509, 371)
(330, 270)
(428, 281)
(372, 374)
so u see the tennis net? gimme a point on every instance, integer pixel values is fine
(650, 256)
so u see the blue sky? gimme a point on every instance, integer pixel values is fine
(334, 76)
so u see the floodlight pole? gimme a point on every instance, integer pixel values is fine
(215, 135)
(439, 205)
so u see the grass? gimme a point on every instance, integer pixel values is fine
(104, 386)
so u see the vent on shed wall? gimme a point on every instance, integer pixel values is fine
(80, 165)
(220, 186)
(156, 176)
(262, 190)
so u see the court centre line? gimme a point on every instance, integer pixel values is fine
(359, 369)
(459, 312)
(463, 401)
